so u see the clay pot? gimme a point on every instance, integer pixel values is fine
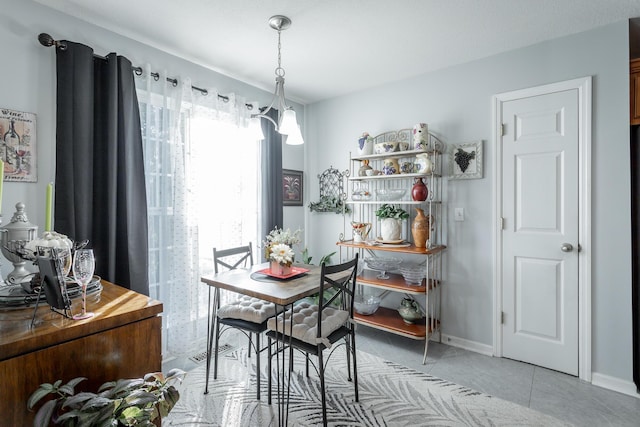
(420, 228)
(390, 229)
(419, 191)
(410, 311)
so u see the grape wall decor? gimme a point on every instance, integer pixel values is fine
(466, 160)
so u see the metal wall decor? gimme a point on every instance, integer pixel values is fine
(466, 160)
(332, 194)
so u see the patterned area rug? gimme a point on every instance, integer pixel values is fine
(390, 395)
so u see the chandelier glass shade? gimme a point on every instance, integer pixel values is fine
(287, 123)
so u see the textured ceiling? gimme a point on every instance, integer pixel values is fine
(339, 46)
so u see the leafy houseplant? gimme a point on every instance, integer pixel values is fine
(306, 259)
(391, 211)
(124, 402)
(390, 218)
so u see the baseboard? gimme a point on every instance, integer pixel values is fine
(477, 347)
(614, 384)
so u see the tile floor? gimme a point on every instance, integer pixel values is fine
(562, 396)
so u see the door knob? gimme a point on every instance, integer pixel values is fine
(566, 247)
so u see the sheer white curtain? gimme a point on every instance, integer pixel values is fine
(200, 163)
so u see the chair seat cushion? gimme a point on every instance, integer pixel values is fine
(248, 308)
(305, 322)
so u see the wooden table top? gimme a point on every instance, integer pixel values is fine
(282, 292)
(113, 307)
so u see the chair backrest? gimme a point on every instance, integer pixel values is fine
(233, 258)
(344, 285)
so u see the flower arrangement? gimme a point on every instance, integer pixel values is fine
(282, 254)
(279, 236)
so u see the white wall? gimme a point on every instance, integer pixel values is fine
(456, 103)
(28, 83)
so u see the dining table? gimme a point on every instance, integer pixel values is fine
(283, 292)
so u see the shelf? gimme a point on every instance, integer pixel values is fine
(387, 319)
(394, 154)
(394, 202)
(395, 282)
(406, 250)
(393, 176)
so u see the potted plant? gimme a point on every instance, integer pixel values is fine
(124, 402)
(391, 217)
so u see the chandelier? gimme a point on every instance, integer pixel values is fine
(287, 123)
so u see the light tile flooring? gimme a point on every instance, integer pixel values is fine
(562, 396)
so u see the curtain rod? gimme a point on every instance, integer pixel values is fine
(48, 41)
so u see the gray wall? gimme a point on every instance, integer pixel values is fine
(28, 83)
(456, 103)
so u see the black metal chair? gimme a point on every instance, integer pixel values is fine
(336, 314)
(247, 314)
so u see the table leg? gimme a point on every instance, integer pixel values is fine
(282, 367)
(212, 313)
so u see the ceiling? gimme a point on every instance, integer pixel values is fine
(334, 47)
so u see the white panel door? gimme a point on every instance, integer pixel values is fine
(540, 202)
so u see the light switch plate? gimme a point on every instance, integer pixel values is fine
(458, 214)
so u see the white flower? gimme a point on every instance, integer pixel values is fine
(282, 253)
(278, 235)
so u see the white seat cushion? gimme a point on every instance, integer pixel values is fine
(248, 308)
(305, 322)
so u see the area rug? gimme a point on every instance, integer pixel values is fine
(390, 395)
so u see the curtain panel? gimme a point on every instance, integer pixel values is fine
(198, 169)
(271, 177)
(100, 188)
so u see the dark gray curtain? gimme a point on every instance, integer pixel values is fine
(635, 251)
(271, 176)
(100, 186)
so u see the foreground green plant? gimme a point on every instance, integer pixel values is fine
(125, 402)
(306, 259)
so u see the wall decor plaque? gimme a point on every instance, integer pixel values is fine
(18, 145)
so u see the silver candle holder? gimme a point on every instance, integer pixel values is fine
(13, 237)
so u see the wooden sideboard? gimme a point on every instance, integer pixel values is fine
(122, 340)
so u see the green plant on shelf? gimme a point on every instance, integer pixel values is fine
(391, 211)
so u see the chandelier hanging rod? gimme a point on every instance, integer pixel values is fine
(278, 23)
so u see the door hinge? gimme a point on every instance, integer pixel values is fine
(503, 129)
(502, 317)
(501, 223)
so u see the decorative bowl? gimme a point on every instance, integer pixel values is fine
(403, 146)
(413, 273)
(366, 305)
(383, 265)
(385, 147)
(388, 194)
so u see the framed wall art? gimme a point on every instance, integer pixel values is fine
(292, 187)
(466, 160)
(18, 145)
